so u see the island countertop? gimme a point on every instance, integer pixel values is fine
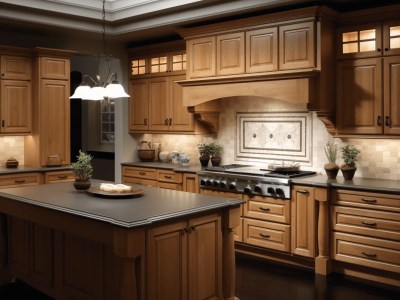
(154, 206)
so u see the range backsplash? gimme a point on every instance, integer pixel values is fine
(11, 147)
(379, 158)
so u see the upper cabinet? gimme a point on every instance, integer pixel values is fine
(15, 91)
(262, 50)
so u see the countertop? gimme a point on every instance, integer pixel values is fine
(319, 180)
(23, 169)
(154, 206)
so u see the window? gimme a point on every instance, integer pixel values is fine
(107, 121)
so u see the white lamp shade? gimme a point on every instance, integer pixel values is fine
(115, 90)
(82, 92)
(97, 93)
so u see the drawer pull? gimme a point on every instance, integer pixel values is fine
(369, 200)
(368, 223)
(264, 208)
(19, 181)
(302, 191)
(267, 236)
(62, 176)
(369, 254)
(167, 176)
(142, 173)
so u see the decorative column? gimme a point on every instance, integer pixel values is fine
(322, 261)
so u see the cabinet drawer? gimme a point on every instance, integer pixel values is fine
(267, 209)
(367, 200)
(170, 186)
(367, 222)
(146, 173)
(266, 234)
(365, 251)
(15, 180)
(59, 176)
(140, 181)
(169, 176)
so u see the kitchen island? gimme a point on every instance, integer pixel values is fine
(162, 245)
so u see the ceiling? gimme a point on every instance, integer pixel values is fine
(131, 21)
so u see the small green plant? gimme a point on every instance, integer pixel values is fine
(83, 168)
(215, 150)
(204, 149)
(331, 151)
(349, 155)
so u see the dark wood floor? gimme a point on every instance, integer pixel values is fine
(260, 280)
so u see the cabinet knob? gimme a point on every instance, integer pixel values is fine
(387, 121)
(170, 121)
(379, 121)
(145, 121)
(166, 122)
(3, 123)
(386, 49)
(379, 50)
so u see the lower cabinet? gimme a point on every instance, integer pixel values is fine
(59, 176)
(192, 265)
(20, 179)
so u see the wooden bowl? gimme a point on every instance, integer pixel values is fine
(147, 155)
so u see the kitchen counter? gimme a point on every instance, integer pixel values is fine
(112, 248)
(166, 166)
(23, 169)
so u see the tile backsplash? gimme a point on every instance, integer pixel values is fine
(11, 147)
(379, 158)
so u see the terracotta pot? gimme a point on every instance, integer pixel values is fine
(331, 170)
(215, 161)
(82, 184)
(204, 160)
(348, 174)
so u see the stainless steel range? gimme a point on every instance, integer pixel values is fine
(247, 179)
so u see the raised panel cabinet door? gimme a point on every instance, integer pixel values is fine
(303, 241)
(202, 57)
(166, 262)
(54, 68)
(158, 104)
(55, 120)
(190, 183)
(262, 50)
(297, 46)
(18, 246)
(16, 106)
(359, 97)
(391, 91)
(179, 119)
(230, 54)
(139, 105)
(205, 258)
(16, 67)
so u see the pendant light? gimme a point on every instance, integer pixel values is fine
(110, 88)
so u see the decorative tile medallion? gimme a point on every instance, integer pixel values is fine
(281, 136)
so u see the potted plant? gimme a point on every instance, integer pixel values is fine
(83, 171)
(331, 152)
(204, 151)
(215, 153)
(349, 155)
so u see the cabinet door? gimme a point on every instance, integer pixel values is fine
(54, 68)
(15, 67)
(158, 65)
(18, 247)
(190, 183)
(179, 117)
(202, 57)
(391, 38)
(167, 262)
(16, 106)
(205, 256)
(55, 120)
(177, 63)
(158, 106)
(262, 50)
(303, 221)
(139, 105)
(230, 54)
(359, 97)
(297, 46)
(139, 67)
(391, 90)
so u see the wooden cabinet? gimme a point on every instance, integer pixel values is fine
(142, 176)
(297, 46)
(368, 96)
(366, 229)
(16, 106)
(58, 176)
(51, 113)
(169, 179)
(303, 236)
(20, 179)
(139, 105)
(190, 183)
(230, 54)
(193, 263)
(201, 57)
(15, 93)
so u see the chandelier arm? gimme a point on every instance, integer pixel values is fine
(88, 76)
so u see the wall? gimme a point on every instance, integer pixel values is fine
(379, 158)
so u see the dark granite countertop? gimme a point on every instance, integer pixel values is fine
(167, 166)
(23, 169)
(154, 206)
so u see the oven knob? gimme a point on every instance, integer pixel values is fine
(280, 191)
(257, 188)
(271, 190)
(216, 183)
(247, 189)
(209, 182)
(222, 183)
(202, 181)
(232, 186)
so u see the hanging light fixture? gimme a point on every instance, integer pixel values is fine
(110, 88)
